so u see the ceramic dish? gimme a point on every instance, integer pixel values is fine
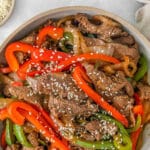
(61, 12)
(9, 13)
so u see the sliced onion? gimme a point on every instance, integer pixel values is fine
(32, 83)
(76, 39)
(83, 45)
(14, 76)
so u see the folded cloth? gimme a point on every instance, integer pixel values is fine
(144, 1)
(142, 17)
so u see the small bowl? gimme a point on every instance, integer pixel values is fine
(9, 13)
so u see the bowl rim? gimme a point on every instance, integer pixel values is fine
(67, 8)
(9, 13)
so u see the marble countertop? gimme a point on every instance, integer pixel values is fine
(26, 9)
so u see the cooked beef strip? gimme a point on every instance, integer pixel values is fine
(109, 85)
(50, 22)
(58, 84)
(64, 123)
(20, 57)
(30, 39)
(33, 148)
(119, 50)
(125, 105)
(33, 138)
(13, 147)
(28, 127)
(101, 128)
(115, 89)
(23, 93)
(106, 20)
(144, 91)
(146, 115)
(65, 98)
(72, 108)
(105, 30)
(50, 44)
(125, 40)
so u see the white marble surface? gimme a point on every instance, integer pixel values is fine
(25, 9)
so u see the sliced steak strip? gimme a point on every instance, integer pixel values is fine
(33, 148)
(13, 147)
(109, 85)
(30, 39)
(144, 91)
(23, 93)
(125, 105)
(125, 40)
(115, 89)
(105, 30)
(33, 138)
(100, 128)
(119, 50)
(58, 84)
(62, 106)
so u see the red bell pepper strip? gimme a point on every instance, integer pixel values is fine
(3, 114)
(49, 120)
(84, 57)
(32, 73)
(46, 131)
(10, 56)
(97, 98)
(17, 83)
(5, 70)
(54, 32)
(46, 117)
(37, 54)
(15, 116)
(137, 99)
(134, 138)
(19, 111)
(51, 123)
(23, 71)
(3, 139)
(138, 109)
(48, 55)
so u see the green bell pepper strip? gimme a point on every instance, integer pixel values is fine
(120, 141)
(137, 125)
(143, 68)
(125, 143)
(10, 139)
(18, 132)
(103, 145)
(42, 142)
(68, 37)
(90, 35)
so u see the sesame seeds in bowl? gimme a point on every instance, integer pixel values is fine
(6, 8)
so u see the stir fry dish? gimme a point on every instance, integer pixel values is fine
(74, 83)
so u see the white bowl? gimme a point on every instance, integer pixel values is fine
(61, 12)
(9, 13)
